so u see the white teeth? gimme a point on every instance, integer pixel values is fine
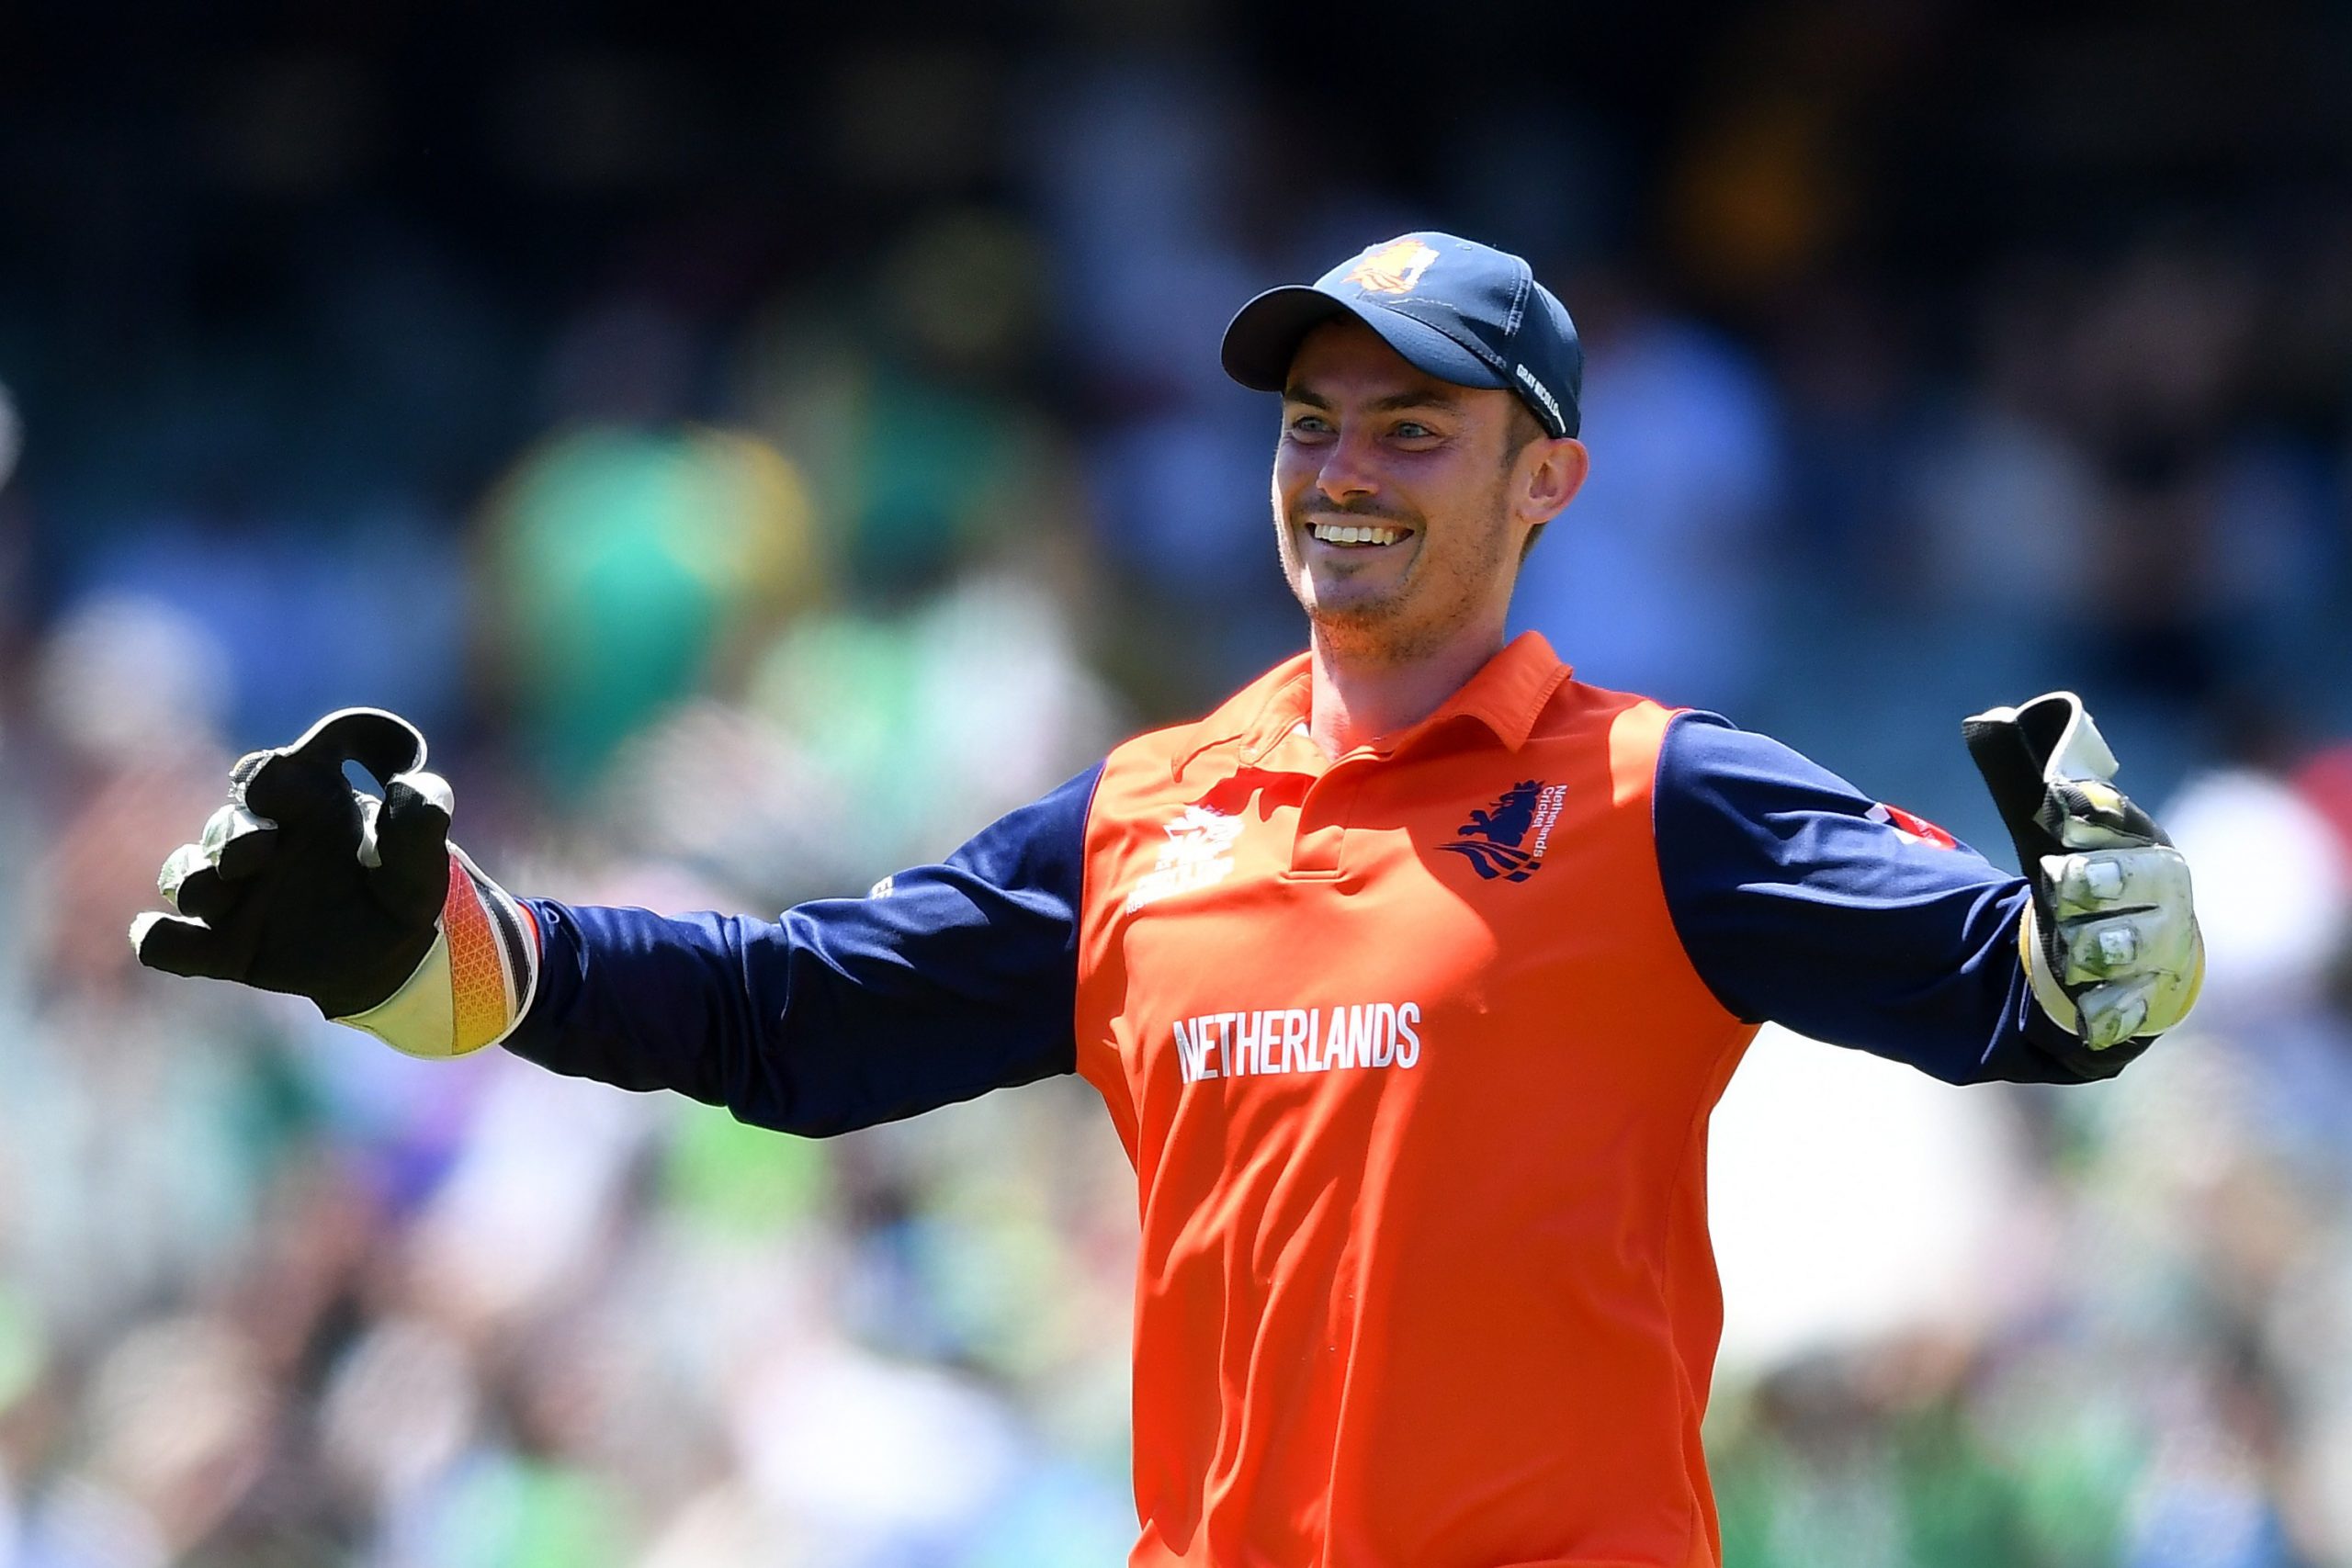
(1337, 534)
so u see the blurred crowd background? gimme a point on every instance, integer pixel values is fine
(759, 446)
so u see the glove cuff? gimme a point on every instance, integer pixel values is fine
(2042, 975)
(475, 982)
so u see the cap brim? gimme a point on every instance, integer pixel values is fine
(1264, 335)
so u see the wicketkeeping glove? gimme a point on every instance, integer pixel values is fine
(304, 885)
(2110, 940)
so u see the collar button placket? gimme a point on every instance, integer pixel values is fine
(1318, 847)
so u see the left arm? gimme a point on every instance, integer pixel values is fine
(1804, 902)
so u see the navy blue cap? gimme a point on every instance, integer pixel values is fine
(1462, 311)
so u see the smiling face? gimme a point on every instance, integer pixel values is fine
(1403, 504)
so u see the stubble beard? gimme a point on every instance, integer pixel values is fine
(1385, 629)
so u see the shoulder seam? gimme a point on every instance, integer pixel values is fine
(1657, 855)
(1079, 907)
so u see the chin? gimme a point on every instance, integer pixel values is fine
(1361, 630)
(1341, 604)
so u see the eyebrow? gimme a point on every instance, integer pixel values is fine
(1418, 398)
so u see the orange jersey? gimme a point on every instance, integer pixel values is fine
(1421, 1144)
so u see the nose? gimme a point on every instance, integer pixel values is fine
(1347, 473)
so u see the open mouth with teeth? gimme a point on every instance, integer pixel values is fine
(1361, 535)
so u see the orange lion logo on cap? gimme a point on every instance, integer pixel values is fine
(1393, 268)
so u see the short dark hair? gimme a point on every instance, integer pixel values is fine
(1525, 427)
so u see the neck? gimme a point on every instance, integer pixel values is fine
(1357, 699)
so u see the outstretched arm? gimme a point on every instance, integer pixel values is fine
(1802, 900)
(943, 983)
(947, 981)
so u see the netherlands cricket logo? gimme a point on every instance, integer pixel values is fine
(1508, 839)
(1393, 268)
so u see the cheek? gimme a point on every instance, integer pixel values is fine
(1293, 476)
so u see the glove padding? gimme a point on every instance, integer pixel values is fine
(304, 885)
(2110, 940)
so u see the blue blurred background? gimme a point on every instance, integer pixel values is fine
(760, 446)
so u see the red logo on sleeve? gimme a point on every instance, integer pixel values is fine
(1911, 826)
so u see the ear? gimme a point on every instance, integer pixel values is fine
(1553, 471)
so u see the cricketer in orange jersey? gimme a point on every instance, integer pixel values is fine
(1410, 979)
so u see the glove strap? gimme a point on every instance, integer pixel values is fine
(476, 981)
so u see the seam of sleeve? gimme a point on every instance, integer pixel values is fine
(1079, 907)
(1657, 851)
(544, 925)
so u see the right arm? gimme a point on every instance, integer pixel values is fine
(958, 979)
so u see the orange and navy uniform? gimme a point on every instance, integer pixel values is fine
(1413, 1050)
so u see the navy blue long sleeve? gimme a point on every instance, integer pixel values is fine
(958, 979)
(1801, 900)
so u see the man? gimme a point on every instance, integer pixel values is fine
(1408, 976)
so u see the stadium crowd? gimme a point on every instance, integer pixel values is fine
(738, 538)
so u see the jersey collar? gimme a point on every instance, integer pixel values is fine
(1507, 695)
